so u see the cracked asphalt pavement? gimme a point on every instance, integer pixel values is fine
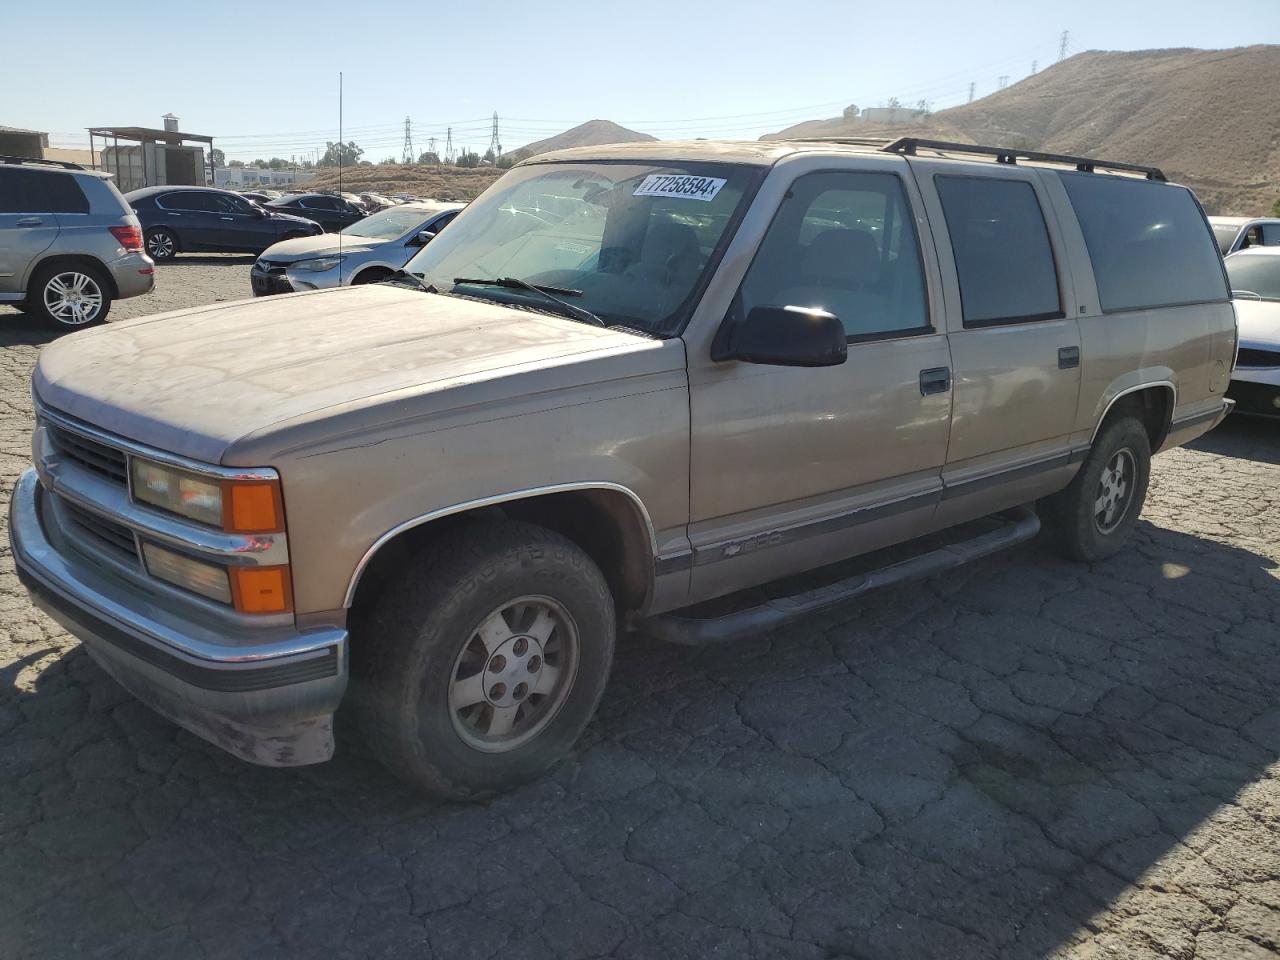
(1025, 758)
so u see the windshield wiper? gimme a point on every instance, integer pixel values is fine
(414, 278)
(549, 292)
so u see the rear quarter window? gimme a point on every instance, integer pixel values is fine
(1149, 243)
(64, 193)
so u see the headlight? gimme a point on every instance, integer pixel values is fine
(237, 506)
(317, 266)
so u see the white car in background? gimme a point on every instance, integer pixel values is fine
(1255, 285)
(1242, 233)
(369, 250)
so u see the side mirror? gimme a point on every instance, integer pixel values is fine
(423, 237)
(258, 211)
(787, 337)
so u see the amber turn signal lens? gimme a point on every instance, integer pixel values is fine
(261, 589)
(252, 506)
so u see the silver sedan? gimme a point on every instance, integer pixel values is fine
(369, 250)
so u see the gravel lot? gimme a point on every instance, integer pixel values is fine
(1023, 759)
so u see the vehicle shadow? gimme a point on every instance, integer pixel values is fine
(980, 765)
(209, 260)
(1244, 437)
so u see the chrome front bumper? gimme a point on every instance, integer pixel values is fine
(266, 696)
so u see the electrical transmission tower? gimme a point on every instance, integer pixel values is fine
(1063, 44)
(1034, 64)
(409, 156)
(495, 142)
(1002, 82)
(431, 148)
(448, 145)
(971, 91)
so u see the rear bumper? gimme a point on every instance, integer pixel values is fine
(130, 280)
(268, 700)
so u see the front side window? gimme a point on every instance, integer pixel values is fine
(1004, 262)
(629, 241)
(844, 243)
(1148, 242)
(1254, 274)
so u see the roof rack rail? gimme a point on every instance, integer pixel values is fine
(852, 141)
(53, 163)
(909, 145)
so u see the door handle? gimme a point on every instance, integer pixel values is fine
(935, 380)
(1068, 358)
(29, 222)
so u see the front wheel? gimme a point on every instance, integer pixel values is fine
(483, 662)
(1095, 516)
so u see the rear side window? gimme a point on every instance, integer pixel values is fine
(1148, 242)
(64, 194)
(190, 200)
(1001, 246)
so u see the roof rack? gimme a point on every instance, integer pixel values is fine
(908, 146)
(851, 141)
(53, 163)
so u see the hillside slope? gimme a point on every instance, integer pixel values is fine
(1207, 117)
(593, 133)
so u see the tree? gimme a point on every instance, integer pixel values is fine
(467, 159)
(851, 112)
(506, 162)
(429, 156)
(391, 160)
(488, 155)
(1275, 208)
(346, 153)
(217, 157)
(278, 163)
(236, 163)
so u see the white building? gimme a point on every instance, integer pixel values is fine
(240, 178)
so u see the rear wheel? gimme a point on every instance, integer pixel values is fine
(69, 297)
(162, 244)
(1095, 516)
(484, 660)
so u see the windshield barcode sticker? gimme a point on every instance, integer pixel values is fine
(676, 185)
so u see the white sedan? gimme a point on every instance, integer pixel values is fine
(1255, 284)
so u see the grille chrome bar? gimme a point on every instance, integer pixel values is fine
(95, 456)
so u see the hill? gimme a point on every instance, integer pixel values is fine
(421, 179)
(593, 133)
(1206, 117)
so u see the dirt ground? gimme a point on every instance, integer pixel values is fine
(1022, 759)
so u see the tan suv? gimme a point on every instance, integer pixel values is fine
(625, 381)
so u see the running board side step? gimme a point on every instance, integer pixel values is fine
(694, 632)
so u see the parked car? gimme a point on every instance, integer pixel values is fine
(330, 212)
(261, 196)
(369, 250)
(732, 363)
(373, 202)
(201, 219)
(69, 244)
(1255, 283)
(1237, 233)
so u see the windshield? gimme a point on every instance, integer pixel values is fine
(1256, 273)
(629, 242)
(389, 224)
(1225, 234)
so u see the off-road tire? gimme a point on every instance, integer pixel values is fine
(1071, 516)
(405, 653)
(36, 306)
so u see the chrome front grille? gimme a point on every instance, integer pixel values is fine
(101, 459)
(113, 538)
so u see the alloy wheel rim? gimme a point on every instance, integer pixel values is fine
(513, 674)
(1115, 491)
(73, 298)
(160, 245)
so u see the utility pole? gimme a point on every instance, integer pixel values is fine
(448, 145)
(495, 142)
(1063, 44)
(1002, 82)
(408, 156)
(971, 91)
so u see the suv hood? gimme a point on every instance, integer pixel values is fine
(195, 381)
(287, 251)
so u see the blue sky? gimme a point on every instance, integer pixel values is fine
(263, 78)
